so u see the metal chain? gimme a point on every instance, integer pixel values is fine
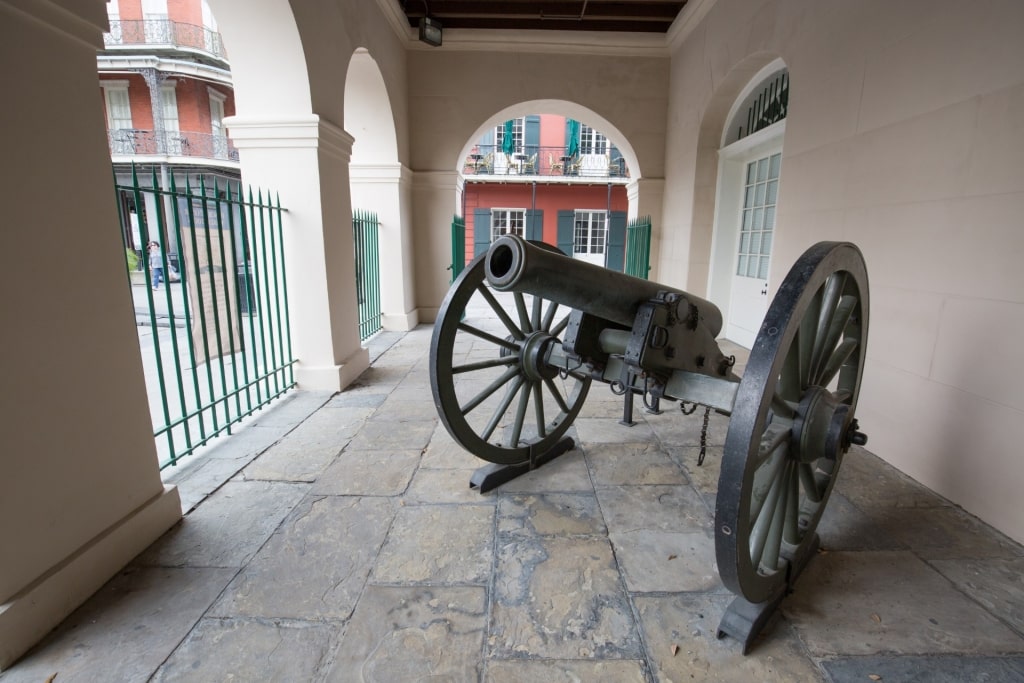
(704, 437)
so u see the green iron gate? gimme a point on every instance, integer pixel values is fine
(216, 341)
(458, 246)
(365, 229)
(638, 247)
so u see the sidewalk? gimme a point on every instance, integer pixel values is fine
(335, 538)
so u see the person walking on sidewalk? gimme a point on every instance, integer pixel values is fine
(156, 264)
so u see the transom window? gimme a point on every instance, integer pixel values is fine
(590, 232)
(507, 222)
(761, 190)
(591, 141)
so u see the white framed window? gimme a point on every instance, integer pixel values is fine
(590, 232)
(119, 110)
(760, 194)
(518, 125)
(591, 141)
(169, 113)
(220, 138)
(507, 222)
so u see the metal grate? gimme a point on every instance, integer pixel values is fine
(365, 228)
(638, 247)
(216, 341)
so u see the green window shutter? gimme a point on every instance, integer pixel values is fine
(566, 230)
(534, 225)
(481, 231)
(531, 135)
(615, 254)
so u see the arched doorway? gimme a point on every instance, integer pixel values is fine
(749, 175)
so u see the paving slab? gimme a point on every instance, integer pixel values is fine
(391, 435)
(844, 527)
(553, 514)
(568, 472)
(594, 430)
(926, 669)
(126, 629)
(438, 544)
(997, 584)
(442, 452)
(357, 399)
(663, 561)
(867, 603)
(290, 409)
(944, 533)
(673, 428)
(402, 407)
(315, 566)
(228, 529)
(307, 451)
(679, 634)
(661, 508)
(632, 463)
(870, 483)
(565, 671)
(249, 650)
(560, 598)
(413, 634)
(445, 486)
(368, 473)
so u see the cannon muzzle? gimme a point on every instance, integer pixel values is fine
(513, 264)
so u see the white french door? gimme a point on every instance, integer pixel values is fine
(748, 301)
(590, 236)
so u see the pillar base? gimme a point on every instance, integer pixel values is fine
(42, 605)
(332, 377)
(399, 322)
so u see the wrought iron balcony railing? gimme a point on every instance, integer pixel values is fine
(136, 142)
(164, 32)
(532, 160)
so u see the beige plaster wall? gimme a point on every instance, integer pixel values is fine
(452, 93)
(80, 490)
(905, 134)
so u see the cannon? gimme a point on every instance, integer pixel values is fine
(524, 331)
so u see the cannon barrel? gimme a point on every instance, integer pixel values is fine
(513, 264)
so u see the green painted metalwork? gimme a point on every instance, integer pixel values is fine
(219, 338)
(458, 246)
(365, 229)
(638, 247)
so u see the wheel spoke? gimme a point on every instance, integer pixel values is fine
(791, 528)
(810, 483)
(790, 384)
(783, 408)
(836, 327)
(517, 426)
(491, 388)
(549, 316)
(538, 305)
(524, 318)
(806, 338)
(500, 312)
(502, 407)
(770, 557)
(833, 289)
(562, 405)
(484, 364)
(557, 329)
(487, 336)
(538, 407)
(764, 481)
(772, 438)
(838, 358)
(766, 516)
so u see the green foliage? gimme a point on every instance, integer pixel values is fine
(133, 259)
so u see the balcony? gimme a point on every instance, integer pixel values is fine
(135, 142)
(129, 33)
(531, 161)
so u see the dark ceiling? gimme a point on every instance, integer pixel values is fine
(639, 16)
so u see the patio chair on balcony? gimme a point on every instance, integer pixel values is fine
(575, 163)
(556, 166)
(530, 165)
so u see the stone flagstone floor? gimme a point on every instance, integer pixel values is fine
(336, 539)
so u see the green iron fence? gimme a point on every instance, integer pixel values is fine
(458, 246)
(216, 341)
(638, 247)
(365, 229)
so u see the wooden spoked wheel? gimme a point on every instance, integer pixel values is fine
(493, 386)
(792, 420)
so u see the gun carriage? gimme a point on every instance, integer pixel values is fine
(509, 384)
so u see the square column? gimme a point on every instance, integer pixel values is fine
(304, 160)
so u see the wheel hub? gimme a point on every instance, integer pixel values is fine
(820, 425)
(532, 354)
